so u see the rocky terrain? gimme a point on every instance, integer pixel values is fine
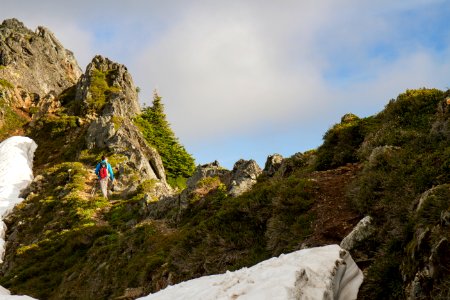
(64, 241)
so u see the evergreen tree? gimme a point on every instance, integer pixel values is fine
(177, 162)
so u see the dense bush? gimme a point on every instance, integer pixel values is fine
(342, 141)
(402, 160)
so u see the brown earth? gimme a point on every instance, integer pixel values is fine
(335, 216)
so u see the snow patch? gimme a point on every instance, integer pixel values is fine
(16, 173)
(326, 272)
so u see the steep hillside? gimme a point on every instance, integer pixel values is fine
(66, 242)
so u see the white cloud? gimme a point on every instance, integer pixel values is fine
(222, 72)
(239, 68)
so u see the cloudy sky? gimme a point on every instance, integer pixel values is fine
(245, 79)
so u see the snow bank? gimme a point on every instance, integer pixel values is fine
(16, 164)
(326, 272)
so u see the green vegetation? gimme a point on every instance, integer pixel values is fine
(117, 121)
(59, 137)
(67, 99)
(404, 157)
(11, 122)
(342, 142)
(78, 241)
(6, 84)
(100, 90)
(177, 162)
(72, 245)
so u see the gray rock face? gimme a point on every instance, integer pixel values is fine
(441, 125)
(112, 127)
(273, 163)
(239, 180)
(243, 176)
(362, 231)
(123, 102)
(427, 251)
(208, 170)
(35, 61)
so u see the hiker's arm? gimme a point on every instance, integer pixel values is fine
(111, 173)
(97, 169)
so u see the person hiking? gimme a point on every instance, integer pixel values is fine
(104, 172)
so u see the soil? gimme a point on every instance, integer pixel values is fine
(335, 216)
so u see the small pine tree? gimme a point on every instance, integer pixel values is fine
(157, 132)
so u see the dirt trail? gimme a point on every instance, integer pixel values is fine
(335, 216)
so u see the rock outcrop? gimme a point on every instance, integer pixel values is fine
(208, 170)
(273, 163)
(112, 127)
(362, 231)
(35, 61)
(243, 176)
(427, 262)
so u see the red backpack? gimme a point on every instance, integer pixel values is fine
(103, 170)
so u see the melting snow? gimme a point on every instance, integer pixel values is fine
(16, 164)
(326, 272)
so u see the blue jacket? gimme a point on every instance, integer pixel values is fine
(110, 171)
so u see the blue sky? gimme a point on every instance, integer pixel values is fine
(246, 79)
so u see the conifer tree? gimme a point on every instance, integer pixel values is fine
(157, 132)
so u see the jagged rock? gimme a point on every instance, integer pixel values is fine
(439, 258)
(427, 260)
(445, 218)
(178, 203)
(349, 118)
(362, 231)
(112, 127)
(123, 102)
(273, 163)
(243, 176)
(208, 170)
(35, 187)
(441, 125)
(35, 61)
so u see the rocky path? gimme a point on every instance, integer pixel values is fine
(335, 216)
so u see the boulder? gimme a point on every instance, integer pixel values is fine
(208, 170)
(362, 231)
(243, 176)
(273, 163)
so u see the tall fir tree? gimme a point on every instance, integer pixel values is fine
(177, 162)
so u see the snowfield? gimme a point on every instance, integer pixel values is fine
(326, 272)
(16, 173)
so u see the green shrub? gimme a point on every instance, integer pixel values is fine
(6, 84)
(12, 121)
(100, 90)
(341, 143)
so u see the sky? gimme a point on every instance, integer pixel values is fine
(244, 79)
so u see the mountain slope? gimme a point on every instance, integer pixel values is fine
(65, 242)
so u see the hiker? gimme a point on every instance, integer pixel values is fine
(103, 170)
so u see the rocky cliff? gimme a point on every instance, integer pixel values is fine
(35, 61)
(108, 96)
